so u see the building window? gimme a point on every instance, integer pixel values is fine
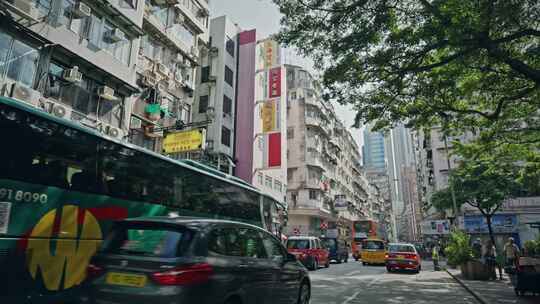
(313, 194)
(17, 60)
(290, 132)
(185, 115)
(277, 185)
(185, 35)
(203, 104)
(98, 37)
(227, 105)
(260, 178)
(268, 182)
(229, 46)
(205, 74)
(226, 136)
(229, 76)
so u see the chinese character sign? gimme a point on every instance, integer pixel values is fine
(274, 89)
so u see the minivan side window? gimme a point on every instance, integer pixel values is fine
(273, 247)
(237, 242)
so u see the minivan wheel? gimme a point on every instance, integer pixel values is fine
(304, 294)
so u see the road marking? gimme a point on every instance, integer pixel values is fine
(351, 298)
(354, 272)
(375, 281)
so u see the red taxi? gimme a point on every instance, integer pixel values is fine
(402, 256)
(309, 251)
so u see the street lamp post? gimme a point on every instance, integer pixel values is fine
(452, 192)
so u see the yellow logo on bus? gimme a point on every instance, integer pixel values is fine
(62, 258)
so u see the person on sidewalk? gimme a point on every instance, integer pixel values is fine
(477, 248)
(511, 252)
(490, 258)
(435, 257)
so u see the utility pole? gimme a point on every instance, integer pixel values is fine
(454, 203)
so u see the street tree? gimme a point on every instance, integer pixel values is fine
(470, 65)
(482, 184)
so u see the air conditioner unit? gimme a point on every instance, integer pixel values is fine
(162, 69)
(60, 111)
(135, 123)
(106, 92)
(179, 19)
(113, 132)
(80, 10)
(213, 52)
(24, 94)
(72, 75)
(193, 51)
(149, 80)
(212, 78)
(24, 9)
(115, 35)
(161, 87)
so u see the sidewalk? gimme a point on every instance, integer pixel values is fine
(493, 292)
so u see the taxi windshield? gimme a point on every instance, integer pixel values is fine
(373, 245)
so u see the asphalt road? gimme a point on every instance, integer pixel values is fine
(351, 283)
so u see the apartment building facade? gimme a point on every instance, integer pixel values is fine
(215, 95)
(324, 178)
(270, 121)
(122, 67)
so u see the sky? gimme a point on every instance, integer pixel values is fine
(264, 16)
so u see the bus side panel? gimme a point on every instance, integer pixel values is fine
(48, 235)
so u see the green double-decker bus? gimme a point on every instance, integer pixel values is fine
(62, 185)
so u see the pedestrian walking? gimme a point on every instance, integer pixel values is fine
(435, 257)
(490, 258)
(512, 253)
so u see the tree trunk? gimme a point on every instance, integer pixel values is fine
(492, 238)
(490, 229)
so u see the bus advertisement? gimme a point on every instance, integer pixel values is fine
(62, 185)
(362, 230)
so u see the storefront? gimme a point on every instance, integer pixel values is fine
(503, 227)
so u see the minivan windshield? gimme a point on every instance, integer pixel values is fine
(147, 241)
(329, 243)
(298, 244)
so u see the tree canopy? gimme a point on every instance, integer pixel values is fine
(470, 65)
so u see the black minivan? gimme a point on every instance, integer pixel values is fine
(192, 260)
(338, 249)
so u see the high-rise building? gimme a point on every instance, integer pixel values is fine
(325, 188)
(270, 121)
(216, 93)
(373, 149)
(401, 162)
(124, 68)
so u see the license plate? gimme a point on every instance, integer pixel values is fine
(401, 257)
(124, 279)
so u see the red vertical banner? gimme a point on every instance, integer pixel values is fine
(274, 89)
(274, 149)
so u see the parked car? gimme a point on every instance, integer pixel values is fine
(373, 251)
(309, 251)
(403, 256)
(337, 248)
(188, 260)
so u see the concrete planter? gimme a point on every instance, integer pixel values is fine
(474, 270)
